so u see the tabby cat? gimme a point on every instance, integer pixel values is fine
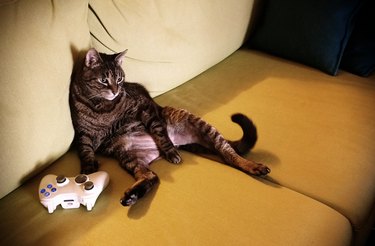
(120, 119)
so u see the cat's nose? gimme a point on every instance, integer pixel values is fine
(114, 88)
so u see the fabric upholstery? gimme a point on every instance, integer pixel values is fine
(168, 42)
(315, 131)
(313, 32)
(39, 42)
(359, 55)
(199, 202)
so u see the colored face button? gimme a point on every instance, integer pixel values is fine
(42, 191)
(49, 186)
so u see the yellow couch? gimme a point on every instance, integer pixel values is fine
(316, 131)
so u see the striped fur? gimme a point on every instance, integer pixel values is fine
(120, 119)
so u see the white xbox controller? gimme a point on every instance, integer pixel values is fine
(72, 192)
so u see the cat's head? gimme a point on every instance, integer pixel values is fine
(102, 75)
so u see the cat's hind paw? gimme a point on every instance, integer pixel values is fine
(259, 169)
(173, 156)
(138, 190)
(129, 200)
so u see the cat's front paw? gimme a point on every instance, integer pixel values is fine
(173, 156)
(92, 167)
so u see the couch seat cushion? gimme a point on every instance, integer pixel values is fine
(316, 132)
(199, 202)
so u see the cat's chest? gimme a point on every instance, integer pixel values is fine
(116, 117)
(100, 117)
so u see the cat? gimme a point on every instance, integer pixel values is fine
(120, 119)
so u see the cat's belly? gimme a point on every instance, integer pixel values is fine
(181, 135)
(142, 141)
(146, 142)
(138, 142)
(140, 145)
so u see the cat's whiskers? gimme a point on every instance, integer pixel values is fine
(94, 96)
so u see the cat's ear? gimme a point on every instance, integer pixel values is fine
(120, 57)
(92, 58)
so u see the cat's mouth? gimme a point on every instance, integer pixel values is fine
(111, 96)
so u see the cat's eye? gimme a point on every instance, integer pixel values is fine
(120, 79)
(103, 81)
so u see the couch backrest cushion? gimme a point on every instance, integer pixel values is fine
(359, 54)
(313, 32)
(169, 41)
(39, 40)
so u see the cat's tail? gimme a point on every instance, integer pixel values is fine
(241, 146)
(249, 137)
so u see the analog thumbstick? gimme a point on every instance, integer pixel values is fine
(60, 179)
(80, 179)
(89, 185)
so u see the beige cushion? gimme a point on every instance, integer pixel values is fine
(170, 41)
(199, 202)
(39, 40)
(316, 132)
(302, 118)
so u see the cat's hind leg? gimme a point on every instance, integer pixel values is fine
(135, 151)
(145, 178)
(215, 141)
(185, 128)
(157, 129)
